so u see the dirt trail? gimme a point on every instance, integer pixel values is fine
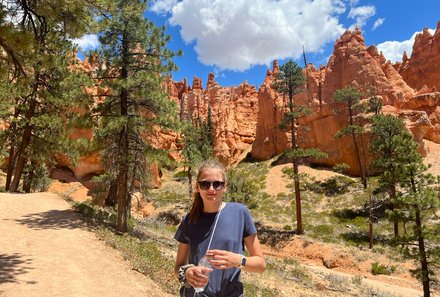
(47, 250)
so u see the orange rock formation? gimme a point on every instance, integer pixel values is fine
(246, 120)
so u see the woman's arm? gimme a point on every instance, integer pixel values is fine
(255, 262)
(181, 257)
(196, 276)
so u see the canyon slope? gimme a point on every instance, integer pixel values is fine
(246, 120)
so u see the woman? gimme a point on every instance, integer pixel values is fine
(218, 231)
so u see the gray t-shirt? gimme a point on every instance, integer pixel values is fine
(234, 224)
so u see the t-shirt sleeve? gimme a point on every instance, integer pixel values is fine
(249, 226)
(180, 235)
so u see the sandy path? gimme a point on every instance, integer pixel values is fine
(46, 250)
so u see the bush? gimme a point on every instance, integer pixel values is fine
(37, 176)
(246, 183)
(336, 185)
(332, 186)
(377, 268)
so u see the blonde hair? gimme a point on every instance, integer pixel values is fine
(197, 205)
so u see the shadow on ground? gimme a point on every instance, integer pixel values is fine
(53, 219)
(12, 265)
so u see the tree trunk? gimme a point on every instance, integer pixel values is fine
(20, 162)
(25, 141)
(299, 226)
(111, 198)
(356, 147)
(393, 196)
(370, 219)
(122, 178)
(422, 253)
(293, 131)
(12, 152)
(122, 197)
(11, 162)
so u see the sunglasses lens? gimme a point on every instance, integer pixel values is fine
(206, 185)
(218, 185)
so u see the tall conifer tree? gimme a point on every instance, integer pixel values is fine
(350, 96)
(133, 60)
(289, 82)
(41, 86)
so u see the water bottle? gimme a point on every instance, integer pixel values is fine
(205, 263)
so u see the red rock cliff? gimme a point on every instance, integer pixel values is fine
(352, 62)
(422, 68)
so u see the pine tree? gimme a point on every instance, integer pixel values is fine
(419, 205)
(289, 82)
(394, 147)
(197, 147)
(350, 96)
(134, 61)
(42, 85)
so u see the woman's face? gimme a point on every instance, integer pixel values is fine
(213, 179)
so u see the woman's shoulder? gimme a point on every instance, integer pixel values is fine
(237, 206)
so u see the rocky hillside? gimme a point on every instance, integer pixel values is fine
(246, 119)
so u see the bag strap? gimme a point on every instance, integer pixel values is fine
(215, 225)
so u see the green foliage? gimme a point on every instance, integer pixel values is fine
(419, 204)
(374, 104)
(349, 95)
(349, 130)
(290, 80)
(40, 97)
(37, 177)
(394, 147)
(415, 195)
(302, 154)
(133, 61)
(332, 186)
(246, 183)
(197, 144)
(341, 168)
(251, 289)
(377, 268)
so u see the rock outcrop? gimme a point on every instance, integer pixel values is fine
(352, 63)
(234, 114)
(421, 69)
(247, 120)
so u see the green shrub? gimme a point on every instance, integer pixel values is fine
(377, 268)
(332, 186)
(336, 185)
(246, 183)
(181, 175)
(254, 290)
(341, 168)
(37, 176)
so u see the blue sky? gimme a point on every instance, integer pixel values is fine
(237, 40)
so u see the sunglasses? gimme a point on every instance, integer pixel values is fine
(216, 185)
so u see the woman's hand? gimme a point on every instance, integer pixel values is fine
(221, 259)
(197, 276)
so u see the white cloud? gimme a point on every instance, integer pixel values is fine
(361, 14)
(237, 34)
(163, 6)
(88, 41)
(393, 50)
(378, 23)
